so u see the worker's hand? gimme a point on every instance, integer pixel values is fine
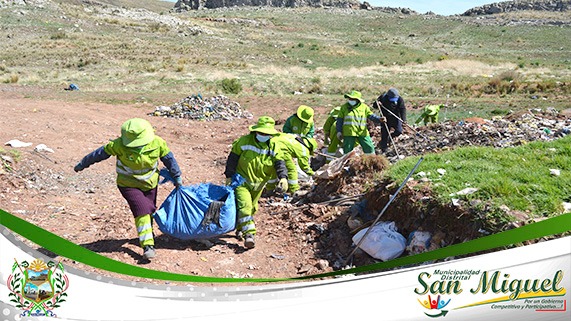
(340, 136)
(310, 172)
(77, 168)
(383, 120)
(282, 185)
(228, 181)
(178, 182)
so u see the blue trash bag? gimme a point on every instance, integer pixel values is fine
(185, 214)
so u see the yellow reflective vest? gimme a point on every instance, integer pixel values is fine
(256, 162)
(354, 119)
(138, 167)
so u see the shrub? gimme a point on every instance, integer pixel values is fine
(58, 35)
(231, 86)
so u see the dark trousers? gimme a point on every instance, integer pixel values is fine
(397, 131)
(140, 202)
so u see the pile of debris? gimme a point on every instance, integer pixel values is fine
(500, 132)
(195, 107)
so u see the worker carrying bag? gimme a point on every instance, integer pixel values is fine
(199, 211)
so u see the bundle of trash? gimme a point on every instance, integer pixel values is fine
(196, 107)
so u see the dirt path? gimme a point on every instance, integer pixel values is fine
(87, 209)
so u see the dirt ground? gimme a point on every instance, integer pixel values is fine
(87, 209)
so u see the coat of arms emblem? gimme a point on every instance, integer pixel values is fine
(38, 287)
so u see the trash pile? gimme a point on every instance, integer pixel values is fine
(195, 107)
(513, 130)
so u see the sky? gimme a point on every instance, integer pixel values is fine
(442, 7)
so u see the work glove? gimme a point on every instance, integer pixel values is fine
(383, 120)
(340, 136)
(282, 185)
(178, 182)
(228, 181)
(77, 168)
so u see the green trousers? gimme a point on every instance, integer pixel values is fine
(365, 141)
(145, 230)
(246, 207)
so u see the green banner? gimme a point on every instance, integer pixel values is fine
(62, 247)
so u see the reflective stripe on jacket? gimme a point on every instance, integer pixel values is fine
(292, 148)
(256, 162)
(138, 167)
(354, 119)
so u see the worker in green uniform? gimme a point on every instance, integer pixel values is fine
(301, 123)
(330, 133)
(351, 125)
(138, 152)
(297, 150)
(430, 114)
(255, 157)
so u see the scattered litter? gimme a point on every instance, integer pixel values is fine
(514, 129)
(17, 143)
(277, 256)
(383, 242)
(566, 207)
(195, 107)
(418, 242)
(466, 191)
(455, 202)
(441, 171)
(43, 148)
(554, 172)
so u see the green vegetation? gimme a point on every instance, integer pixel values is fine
(231, 86)
(517, 177)
(316, 52)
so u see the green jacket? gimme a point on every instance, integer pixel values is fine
(292, 148)
(354, 119)
(430, 114)
(255, 161)
(138, 168)
(294, 125)
(329, 125)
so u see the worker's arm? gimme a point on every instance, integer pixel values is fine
(172, 165)
(311, 131)
(231, 164)
(376, 119)
(281, 168)
(95, 156)
(402, 109)
(339, 125)
(303, 163)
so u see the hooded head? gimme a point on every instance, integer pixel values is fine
(265, 125)
(137, 132)
(393, 95)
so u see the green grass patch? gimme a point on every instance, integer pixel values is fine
(516, 177)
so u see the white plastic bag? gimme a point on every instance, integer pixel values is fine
(383, 242)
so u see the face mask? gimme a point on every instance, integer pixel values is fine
(262, 138)
(352, 102)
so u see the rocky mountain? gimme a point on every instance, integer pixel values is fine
(520, 5)
(182, 5)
